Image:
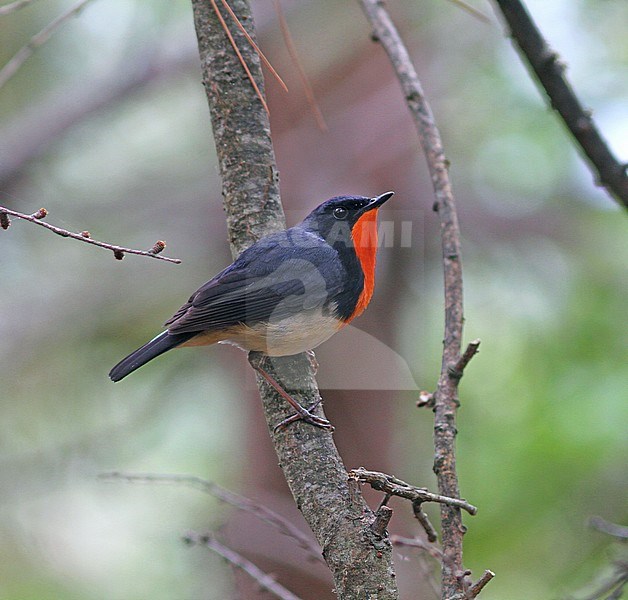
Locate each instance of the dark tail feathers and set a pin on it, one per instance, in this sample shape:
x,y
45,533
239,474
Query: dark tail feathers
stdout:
x,y
162,343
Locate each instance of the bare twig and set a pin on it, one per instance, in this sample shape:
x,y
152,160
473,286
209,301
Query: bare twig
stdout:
x,y
13,6
84,236
474,12
260,511
396,487
431,549
294,55
479,585
426,399
611,585
423,519
266,582
446,395
24,53
469,590
618,531
382,517
615,584
550,72
457,370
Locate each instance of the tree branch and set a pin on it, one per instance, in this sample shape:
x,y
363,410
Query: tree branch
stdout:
x,y
266,582
360,561
604,526
550,72
260,511
25,52
445,399
469,590
84,236
7,9
396,487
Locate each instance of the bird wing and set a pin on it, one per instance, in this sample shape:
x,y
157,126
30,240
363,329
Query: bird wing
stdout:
x,y
279,276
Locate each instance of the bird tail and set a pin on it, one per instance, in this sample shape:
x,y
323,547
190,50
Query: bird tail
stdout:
x,y
162,343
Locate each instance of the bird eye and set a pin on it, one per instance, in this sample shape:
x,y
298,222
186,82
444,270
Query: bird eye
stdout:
x,y
340,213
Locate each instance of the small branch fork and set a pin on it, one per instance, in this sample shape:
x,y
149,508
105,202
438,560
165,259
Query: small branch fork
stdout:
x,y
266,582
469,590
392,486
83,236
550,72
396,487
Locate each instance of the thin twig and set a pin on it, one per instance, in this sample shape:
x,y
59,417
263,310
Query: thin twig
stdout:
x,y
266,582
423,519
247,505
469,590
479,585
431,549
382,517
474,12
225,27
84,236
24,53
618,531
615,585
294,55
446,395
457,370
550,72
396,487
9,8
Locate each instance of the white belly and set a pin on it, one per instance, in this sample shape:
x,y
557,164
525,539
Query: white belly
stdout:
x,y
293,335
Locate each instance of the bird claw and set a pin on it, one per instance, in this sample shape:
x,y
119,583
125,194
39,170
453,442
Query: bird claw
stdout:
x,y
306,415
313,362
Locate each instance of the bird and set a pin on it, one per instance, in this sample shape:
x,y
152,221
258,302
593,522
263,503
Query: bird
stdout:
x,y
285,294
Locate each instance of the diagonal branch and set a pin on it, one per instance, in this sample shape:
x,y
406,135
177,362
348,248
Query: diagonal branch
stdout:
x,y
39,39
260,511
266,582
294,55
550,72
618,531
84,236
7,9
360,561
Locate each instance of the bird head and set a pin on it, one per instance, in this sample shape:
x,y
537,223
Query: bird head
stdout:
x,y
338,219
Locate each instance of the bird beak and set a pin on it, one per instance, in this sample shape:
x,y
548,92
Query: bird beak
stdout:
x,y
379,200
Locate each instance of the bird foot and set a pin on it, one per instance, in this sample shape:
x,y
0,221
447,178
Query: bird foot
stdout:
x,y
305,414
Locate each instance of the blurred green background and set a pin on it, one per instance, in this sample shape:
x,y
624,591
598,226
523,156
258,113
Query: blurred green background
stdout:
x,y
107,127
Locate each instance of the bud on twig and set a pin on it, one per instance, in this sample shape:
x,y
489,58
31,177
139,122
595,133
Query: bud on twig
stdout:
x,y
158,247
40,214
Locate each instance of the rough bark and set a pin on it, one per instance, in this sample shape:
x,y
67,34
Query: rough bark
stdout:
x,y
360,561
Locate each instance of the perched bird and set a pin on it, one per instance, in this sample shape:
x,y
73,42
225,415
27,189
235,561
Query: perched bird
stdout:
x,y
285,294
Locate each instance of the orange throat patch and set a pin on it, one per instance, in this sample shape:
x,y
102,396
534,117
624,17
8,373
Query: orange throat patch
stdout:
x,y
364,236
